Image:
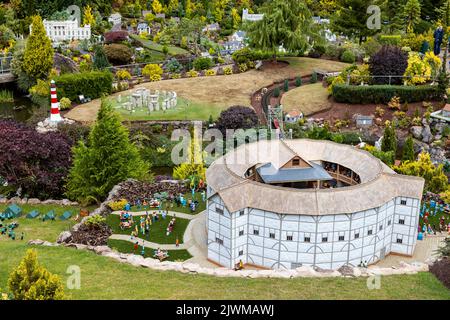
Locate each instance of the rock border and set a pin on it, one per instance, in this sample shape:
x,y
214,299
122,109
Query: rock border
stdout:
x,y
35,201
194,268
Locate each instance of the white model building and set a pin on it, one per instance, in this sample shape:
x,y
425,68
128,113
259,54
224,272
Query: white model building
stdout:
x,y
66,30
115,19
251,17
284,204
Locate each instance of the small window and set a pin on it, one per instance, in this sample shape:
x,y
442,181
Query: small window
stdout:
x,y
399,240
380,227
401,221
241,233
403,202
341,238
389,222
289,238
324,239
219,210
219,241
241,213
256,232
308,239
272,235
356,235
296,162
241,252
369,232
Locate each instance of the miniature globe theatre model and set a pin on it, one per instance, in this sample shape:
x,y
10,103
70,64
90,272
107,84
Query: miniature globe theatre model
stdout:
x,y
288,203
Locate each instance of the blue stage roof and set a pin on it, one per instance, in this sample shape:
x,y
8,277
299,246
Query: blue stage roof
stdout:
x,y
270,174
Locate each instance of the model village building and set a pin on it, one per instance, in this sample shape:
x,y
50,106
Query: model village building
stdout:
x,y
285,204
67,30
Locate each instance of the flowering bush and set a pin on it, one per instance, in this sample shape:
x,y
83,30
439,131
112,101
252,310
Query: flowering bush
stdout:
x,y
152,71
175,76
210,72
434,62
394,103
123,74
243,67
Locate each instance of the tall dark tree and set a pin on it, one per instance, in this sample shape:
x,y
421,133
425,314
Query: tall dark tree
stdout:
x,y
286,23
100,60
350,19
237,117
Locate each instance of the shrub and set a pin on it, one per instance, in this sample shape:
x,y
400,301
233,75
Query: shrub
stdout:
x,y
173,66
334,51
192,74
31,281
40,93
286,85
228,70
348,56
123,74
441,269
153,72
394,103
237,117
243,55
383,93
360,75
371,46
243,67
392,40
379,111
116,36
388,61
118,54
313,77
298,81
276,92
65,103
175,76
202,63
95,221
418,71
210,72
92,84
41,161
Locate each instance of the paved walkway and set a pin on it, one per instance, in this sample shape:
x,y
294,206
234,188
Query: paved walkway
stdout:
x,y
171,213
194,238
424,250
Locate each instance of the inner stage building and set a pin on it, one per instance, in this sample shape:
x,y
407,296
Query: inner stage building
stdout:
x,y
288,203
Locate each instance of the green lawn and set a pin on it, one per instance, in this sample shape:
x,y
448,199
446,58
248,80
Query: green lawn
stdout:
x,y
104,278
128,247
157,229
157,47
185,110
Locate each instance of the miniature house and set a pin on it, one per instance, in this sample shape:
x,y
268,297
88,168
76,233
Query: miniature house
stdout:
x,y
293,116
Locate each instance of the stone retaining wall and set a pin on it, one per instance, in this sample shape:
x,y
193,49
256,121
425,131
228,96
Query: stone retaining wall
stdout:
x,y
193,268
34,201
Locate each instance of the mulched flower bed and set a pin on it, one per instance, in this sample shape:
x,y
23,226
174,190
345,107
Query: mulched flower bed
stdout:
x,y
138,190
91,235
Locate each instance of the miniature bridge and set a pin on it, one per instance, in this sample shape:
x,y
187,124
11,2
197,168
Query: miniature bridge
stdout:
x,y
5,70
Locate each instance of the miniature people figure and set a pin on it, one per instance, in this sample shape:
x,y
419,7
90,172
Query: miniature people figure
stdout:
x,y
177,242
22,236
136,246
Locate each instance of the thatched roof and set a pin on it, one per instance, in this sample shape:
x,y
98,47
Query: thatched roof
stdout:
x,y
379,184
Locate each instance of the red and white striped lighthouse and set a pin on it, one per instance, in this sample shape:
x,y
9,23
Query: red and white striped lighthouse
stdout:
x,y
54,111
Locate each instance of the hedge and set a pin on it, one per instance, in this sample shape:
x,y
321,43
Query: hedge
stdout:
x,y
383,93
89,84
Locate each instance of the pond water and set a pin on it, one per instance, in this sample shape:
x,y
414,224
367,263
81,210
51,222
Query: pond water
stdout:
x,y
20,110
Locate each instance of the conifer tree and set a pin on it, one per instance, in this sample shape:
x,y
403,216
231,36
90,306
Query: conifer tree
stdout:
x,y
411,12
88,17
408,150
107,159
100,61
38,54
31,281
389,142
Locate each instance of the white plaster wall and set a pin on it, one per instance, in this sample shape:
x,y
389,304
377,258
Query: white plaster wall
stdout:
x,y
280,252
